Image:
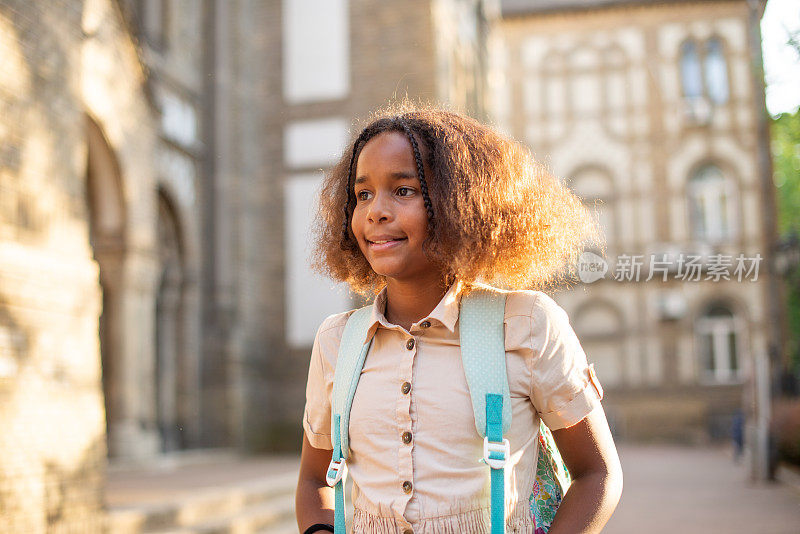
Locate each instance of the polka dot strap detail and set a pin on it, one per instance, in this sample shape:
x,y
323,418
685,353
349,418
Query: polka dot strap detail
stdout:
x,y
352,354
483,351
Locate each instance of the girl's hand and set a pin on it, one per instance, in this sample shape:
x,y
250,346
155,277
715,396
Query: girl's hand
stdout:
x,y
314,499
590,455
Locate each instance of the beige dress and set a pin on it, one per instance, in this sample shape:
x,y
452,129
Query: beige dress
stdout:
x,y
414,449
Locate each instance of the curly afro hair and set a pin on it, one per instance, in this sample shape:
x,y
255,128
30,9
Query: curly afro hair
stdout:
x,y
494,214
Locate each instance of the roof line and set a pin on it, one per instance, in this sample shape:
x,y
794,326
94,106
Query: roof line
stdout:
x,y
509,9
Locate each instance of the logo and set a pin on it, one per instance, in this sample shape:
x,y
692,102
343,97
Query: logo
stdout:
x,y
591,267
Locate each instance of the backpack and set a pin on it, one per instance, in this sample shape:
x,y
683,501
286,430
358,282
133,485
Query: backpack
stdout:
x,y
483,356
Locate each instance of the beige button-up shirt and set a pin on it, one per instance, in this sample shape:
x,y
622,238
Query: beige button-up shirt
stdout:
x,y
414,449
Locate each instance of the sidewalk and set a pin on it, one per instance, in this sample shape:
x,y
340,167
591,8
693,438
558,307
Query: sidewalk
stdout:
x,y
667,489
698,491
219,495
132,487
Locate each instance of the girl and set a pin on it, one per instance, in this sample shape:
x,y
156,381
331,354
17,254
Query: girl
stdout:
x,y
423,204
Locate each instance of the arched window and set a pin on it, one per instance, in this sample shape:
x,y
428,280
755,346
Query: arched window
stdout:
x,y
171,364
719,345
596,189
711,205
691,73
600,328
716,72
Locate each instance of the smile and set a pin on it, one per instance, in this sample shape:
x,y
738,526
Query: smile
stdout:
x,y
385,244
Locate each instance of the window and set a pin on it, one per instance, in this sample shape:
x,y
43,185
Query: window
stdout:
x,y
704,78
716,72
595,188
710,205
719,345
600,328
691,74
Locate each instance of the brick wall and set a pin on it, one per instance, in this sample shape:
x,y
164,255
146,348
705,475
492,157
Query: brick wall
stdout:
x,y
62,62
393,55
52,444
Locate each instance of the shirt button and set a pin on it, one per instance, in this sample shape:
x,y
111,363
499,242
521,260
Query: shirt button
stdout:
x,y
406,437
425,324
407,486
405,388
410,344
408,531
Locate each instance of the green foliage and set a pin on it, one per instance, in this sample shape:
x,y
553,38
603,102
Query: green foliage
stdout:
x,y
786,165
793,306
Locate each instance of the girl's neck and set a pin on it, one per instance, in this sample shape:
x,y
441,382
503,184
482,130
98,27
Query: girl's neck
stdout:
x,y
408,302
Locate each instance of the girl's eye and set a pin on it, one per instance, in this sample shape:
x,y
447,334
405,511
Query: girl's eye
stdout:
x,y
362,195
405,191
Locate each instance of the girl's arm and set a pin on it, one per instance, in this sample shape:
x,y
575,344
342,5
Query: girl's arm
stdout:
x,y
590,455
314,498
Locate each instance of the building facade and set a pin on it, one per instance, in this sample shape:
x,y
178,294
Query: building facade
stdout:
x,y
652,113
158,165
341,60
158,160
78,139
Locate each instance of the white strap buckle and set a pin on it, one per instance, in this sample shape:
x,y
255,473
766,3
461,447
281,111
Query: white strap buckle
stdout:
x,y
494,446
336,470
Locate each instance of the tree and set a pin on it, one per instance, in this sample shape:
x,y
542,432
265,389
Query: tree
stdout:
x,y
786,164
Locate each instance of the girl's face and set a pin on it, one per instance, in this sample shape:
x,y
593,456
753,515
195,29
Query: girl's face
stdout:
x,y
390,221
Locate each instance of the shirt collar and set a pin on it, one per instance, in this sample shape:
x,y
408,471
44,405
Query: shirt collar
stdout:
x,y
445,313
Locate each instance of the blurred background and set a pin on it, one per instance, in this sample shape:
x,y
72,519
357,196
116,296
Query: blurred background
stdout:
x,y
159,161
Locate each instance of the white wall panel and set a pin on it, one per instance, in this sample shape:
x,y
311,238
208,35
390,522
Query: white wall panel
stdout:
x,y
316,50
314,142
310,297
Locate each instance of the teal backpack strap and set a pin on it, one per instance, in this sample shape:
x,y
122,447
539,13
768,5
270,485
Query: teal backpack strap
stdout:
x,y
484,357
352,352
336,476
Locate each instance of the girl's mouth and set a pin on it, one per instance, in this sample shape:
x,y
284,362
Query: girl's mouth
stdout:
x,y
385,244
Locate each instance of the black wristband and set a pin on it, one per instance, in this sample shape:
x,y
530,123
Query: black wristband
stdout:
x,y
318,527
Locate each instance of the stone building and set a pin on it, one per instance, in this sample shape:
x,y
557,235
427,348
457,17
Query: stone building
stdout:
x,y
157,163
653,111
78,140
342,60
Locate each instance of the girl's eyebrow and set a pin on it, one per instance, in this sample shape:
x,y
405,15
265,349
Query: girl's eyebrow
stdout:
x,y
397,175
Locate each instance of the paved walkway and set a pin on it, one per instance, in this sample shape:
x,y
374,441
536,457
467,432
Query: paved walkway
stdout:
x,y
667,490
126,487
694,491
203,493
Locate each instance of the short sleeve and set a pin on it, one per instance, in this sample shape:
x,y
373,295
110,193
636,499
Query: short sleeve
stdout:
x,y
564,387
317,412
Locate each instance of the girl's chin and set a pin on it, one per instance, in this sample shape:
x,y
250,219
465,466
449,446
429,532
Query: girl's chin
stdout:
x,y
399,274
386,272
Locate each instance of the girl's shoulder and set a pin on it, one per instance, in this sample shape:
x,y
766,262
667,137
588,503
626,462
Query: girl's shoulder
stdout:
x,y
334,322
537,305
333,326
329,336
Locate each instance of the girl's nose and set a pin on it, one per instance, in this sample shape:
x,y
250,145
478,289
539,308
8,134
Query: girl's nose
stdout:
x,y
379,209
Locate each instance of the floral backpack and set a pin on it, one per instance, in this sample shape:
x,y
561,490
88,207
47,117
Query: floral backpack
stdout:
x,y
483,355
